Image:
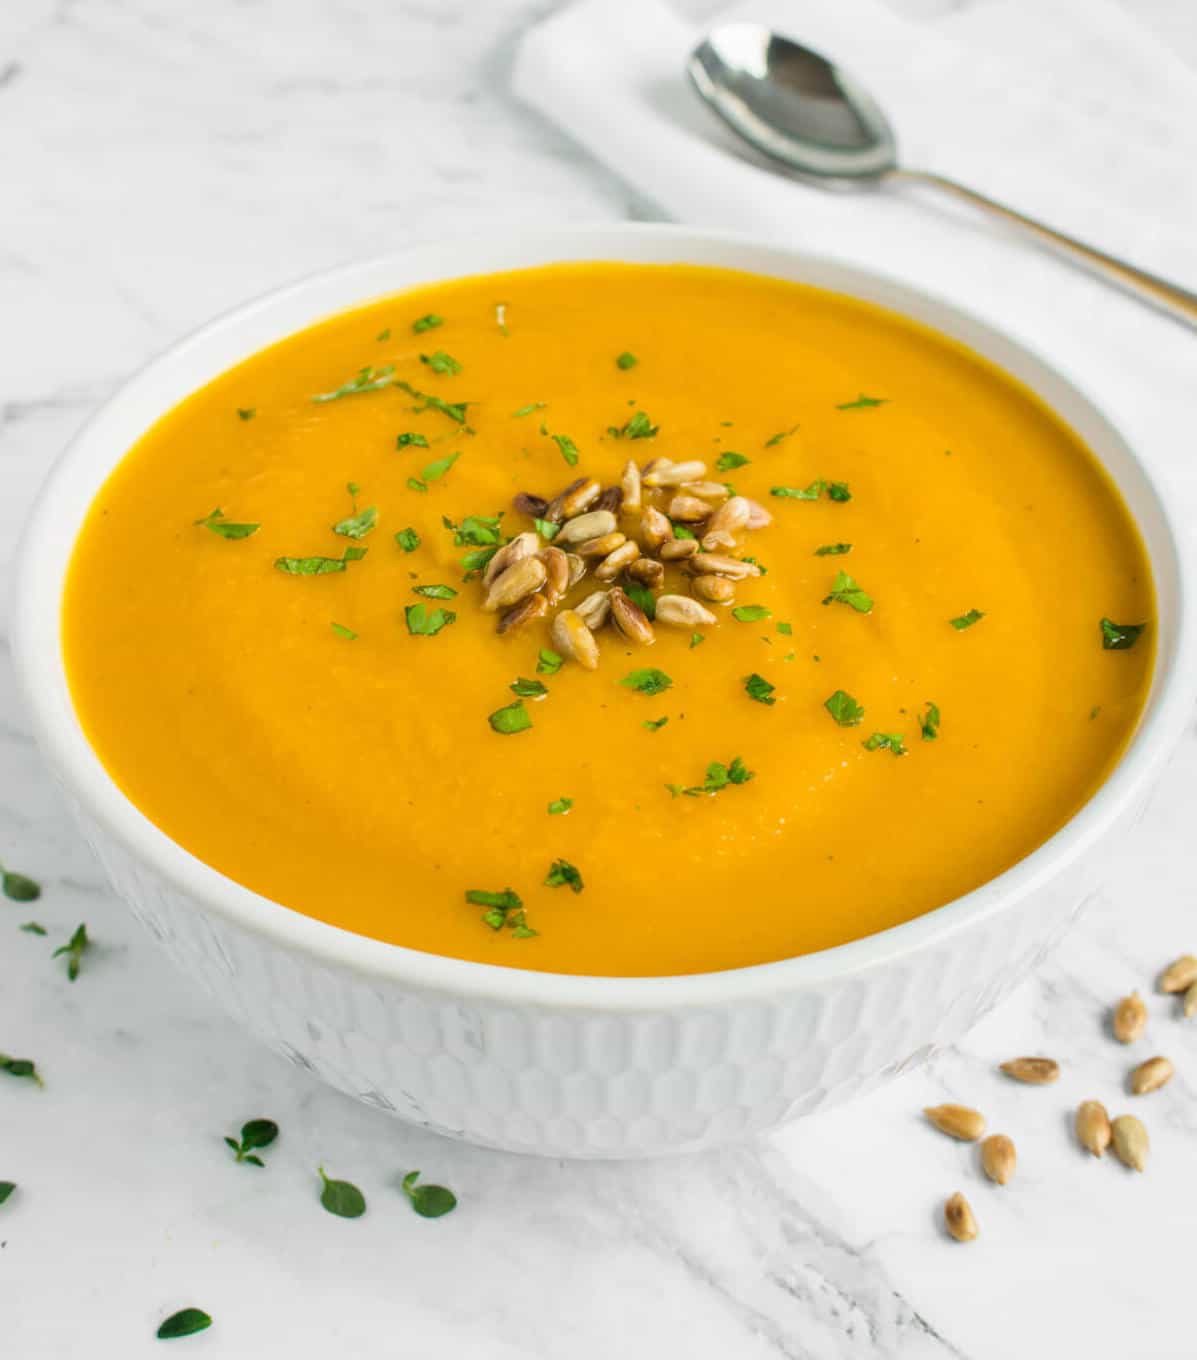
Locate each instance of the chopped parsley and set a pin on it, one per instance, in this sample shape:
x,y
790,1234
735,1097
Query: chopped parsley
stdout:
x,y
435,592
861,403
563,874
434,471
833,549
455,410
527,410
246,412
427,323
18,888
368,379
257,1133
341,1198
885,741
718,777
844,708
411,439
836,491
681,530
844,590
528,689
440,362
20,1067
751,613
425,622
502,909
786,629
383,335
74,950
32,928
560,806
758,688
1119,637
318,566
548,662
726,462
654,724
929,722
186,1322
357,525
6,1189
757,563
647,681
429,1201
626,360
408,540
697,639
779,436
342,632
546,528
510,719
569,450
963,621
225,528
642,597
637,426
478,531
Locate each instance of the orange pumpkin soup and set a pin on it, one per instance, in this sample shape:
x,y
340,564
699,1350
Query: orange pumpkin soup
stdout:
x,y
899,650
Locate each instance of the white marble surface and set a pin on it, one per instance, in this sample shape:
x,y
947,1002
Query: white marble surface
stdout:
x,y
160,162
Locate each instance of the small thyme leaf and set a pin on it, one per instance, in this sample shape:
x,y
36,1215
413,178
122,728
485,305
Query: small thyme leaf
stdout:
x,y
6,1189
257,1133
341,1198
74,950
186,1322
20,1067
18,888
33,928
429,1201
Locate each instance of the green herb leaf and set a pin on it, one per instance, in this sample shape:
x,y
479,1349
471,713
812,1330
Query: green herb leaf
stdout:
x,y
527,410
726,462
425,622
786,629
647,681
18,888
560,806
359,525
626,360
408,540
963,621
862,403
427,323
342,632
885,741
758,688
833,549
1117,637
478,531
474,561
383,335
548,662
186,1322
246,412
440,362
681,530
74,950
411,439
455,410
546,528
719,777
6,1189
510,719
844,590
782,434
429,1201
341,1198
414,484
367,380
33,928
844,708
929,722
798,493
318,566
838,491
655,724
501,901
637,426
225,528
257,1133
569,450
563,874
19,1067
528,689
642,597
696,639
435,470
435,592
751,613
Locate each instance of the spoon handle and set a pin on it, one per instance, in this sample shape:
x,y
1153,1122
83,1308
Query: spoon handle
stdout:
x,y
1168,297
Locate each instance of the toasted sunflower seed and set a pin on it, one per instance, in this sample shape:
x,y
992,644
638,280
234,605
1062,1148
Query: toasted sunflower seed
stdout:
x,y
647,570
556,566
667,474
1131,1143
655,528
611,499
688,509
1150,1076
1189,1005
594,610
714,539
555,509
528,504
580,498
572,638
730,516
601,546
678,549
577,568
714,589
1179,975
959,1219
1032,1071
629,484
534,607
1130,1018
998,1158
714,492
682,610
758,516
592,525
957,1121
629,618
522,545
714,564
1092,1127
510,586
611,565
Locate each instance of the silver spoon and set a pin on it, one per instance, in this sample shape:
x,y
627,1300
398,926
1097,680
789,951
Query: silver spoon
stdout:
x,y
800,109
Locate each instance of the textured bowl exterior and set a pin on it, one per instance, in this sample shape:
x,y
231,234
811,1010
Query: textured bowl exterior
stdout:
x,y
544,1063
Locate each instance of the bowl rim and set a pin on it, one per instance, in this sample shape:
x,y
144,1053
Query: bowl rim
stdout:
x,y
43,557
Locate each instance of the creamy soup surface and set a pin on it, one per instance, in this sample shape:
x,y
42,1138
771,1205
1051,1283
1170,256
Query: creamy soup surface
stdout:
x,y
916,691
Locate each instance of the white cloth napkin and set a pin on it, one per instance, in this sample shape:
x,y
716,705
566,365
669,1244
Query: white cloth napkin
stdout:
x,y
997,95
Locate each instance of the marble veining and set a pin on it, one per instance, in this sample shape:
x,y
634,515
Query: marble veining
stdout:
x,y
163,162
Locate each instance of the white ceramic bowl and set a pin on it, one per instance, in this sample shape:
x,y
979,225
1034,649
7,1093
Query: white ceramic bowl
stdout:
x,y
546,1063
